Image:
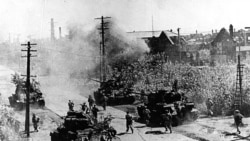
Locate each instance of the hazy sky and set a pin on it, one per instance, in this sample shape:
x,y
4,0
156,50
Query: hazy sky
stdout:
x,y
32,17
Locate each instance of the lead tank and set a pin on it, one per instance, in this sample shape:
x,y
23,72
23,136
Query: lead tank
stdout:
x,y
18,99
178,105
78,126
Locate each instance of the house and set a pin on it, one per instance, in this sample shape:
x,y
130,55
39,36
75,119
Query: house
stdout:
x,y
160,41
223,47
243,43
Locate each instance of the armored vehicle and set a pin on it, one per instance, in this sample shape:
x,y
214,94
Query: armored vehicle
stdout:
x,y
18,100
162,101
116,93
78,126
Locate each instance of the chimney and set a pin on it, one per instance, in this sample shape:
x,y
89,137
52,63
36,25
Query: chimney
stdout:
x,y
52,30
231,30
60,32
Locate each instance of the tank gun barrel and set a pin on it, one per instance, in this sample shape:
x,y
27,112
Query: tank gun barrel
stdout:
x,y
95,80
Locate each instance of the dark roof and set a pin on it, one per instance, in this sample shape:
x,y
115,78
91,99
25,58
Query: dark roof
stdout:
x,y
222,36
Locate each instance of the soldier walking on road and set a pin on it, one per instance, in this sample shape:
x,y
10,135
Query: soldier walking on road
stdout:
x,y
147,116
35,121
71,105
129,122
167,121
209,104
91,102
238,119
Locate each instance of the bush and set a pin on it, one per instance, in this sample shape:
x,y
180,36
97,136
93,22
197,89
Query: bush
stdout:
x,y
154,72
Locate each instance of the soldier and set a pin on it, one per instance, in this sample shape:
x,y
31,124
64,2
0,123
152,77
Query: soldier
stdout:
x,y
105,100
71,105
84,107
35,121
91,102
95,111
147,116
129,122
209,104
167,121
238,119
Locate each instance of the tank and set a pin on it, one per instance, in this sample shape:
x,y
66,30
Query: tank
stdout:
x,y
178,105
116,92
78,126
18,99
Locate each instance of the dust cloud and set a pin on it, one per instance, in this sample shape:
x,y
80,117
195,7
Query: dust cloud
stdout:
x,y
64,66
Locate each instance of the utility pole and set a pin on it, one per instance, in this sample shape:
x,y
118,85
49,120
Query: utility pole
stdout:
x,y
178,30
102,46
27,117
153,26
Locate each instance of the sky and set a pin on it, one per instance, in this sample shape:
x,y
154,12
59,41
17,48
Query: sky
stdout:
x,y
31,18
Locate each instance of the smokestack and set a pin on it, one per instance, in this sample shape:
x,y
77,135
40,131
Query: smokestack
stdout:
x,y
212,32
196,32
52,30
231,30
60,32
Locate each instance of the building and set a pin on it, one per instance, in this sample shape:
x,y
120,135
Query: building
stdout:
x,y
161,41
223,47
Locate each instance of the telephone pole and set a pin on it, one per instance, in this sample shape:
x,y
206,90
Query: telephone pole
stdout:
x,y
102,47
27,117
179,44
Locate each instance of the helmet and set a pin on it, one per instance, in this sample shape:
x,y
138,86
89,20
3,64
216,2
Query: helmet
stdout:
x,y
236,111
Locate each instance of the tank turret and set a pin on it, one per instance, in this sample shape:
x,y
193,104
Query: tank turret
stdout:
x,y
116,92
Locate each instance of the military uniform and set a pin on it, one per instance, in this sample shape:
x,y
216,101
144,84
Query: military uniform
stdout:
x,y
84,108
35,121
95,111
147,116
238,119
91,102
209,104
105,100
167,121
71,105
129,122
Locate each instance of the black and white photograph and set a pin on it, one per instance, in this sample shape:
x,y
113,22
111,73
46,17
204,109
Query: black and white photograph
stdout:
x,y
124,70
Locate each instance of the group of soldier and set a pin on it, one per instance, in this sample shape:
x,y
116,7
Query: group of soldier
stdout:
x,y
86,109
237,115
